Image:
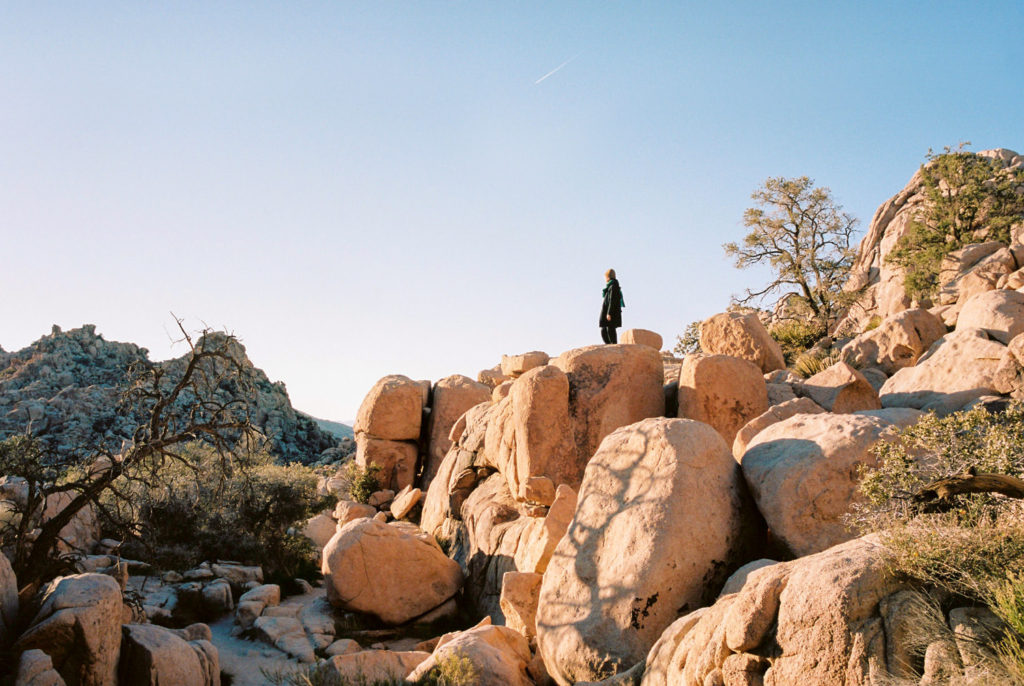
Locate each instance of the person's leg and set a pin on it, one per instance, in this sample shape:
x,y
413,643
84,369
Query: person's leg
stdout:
x,y
613,335
604,334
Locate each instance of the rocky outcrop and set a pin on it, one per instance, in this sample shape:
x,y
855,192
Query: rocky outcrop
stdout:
x,y
658,519
388,429
78,625
815,620
958,368
880,284
419,576
741,335
897,342
803,473
723,391
66,388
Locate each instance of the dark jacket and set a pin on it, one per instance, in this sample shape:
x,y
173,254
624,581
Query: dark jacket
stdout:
x,y
612,305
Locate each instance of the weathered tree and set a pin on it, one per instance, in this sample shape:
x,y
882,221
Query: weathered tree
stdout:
x,y
200,399
804,236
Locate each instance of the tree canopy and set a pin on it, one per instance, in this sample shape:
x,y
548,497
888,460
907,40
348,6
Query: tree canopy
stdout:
x,y
804,236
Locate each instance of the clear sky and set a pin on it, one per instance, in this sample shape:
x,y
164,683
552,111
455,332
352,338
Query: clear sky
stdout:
x,y
364,188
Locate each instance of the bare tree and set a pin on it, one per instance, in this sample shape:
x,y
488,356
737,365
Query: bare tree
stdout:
x,y
804,237
200,397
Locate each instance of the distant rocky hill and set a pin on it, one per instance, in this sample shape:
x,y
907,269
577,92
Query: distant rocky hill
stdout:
x,y
65,389
335,428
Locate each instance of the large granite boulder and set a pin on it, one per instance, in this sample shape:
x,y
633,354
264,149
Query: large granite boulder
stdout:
x,y
35,668
393,409
611,386
499,655
774,415
79,626
418,578
722,391
840,389
897,342
396,460
659,515
1000,314
152,655
452,396
803,473
741,335
370,666
958,368
819,617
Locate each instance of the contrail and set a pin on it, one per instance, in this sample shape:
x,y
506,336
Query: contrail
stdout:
x,y
563,64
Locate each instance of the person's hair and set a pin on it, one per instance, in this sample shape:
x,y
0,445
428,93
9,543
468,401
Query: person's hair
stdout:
x,y
610,274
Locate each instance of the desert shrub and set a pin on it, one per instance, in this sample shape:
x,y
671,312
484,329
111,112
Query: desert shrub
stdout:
x,y
357,483
209,506
689,342
311,676
811,363
873,323
965,543
968,198
1008,604
454,669
796,336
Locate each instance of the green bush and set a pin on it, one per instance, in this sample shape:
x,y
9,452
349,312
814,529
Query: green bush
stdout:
x,y
454,669
359,484
209,506
689,342
796,336
969,198
1008,604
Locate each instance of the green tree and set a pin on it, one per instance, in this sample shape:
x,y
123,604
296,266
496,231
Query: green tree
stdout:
x,y
968,198
689,342
803,235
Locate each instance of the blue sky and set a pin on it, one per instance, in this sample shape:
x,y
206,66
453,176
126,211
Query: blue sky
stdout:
x,y
363,188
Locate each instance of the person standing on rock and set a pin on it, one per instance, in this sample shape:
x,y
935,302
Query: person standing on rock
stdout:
x,y
611,308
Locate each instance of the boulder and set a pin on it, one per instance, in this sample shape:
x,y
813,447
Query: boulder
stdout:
x,y
840,389
452,396
82,532
658,520
405,501
8,601
611,386
973,269
897,342
252,603
722,391
35,668
152,655
958,367
320,528
343,646
520,592
492,378
369,667
514,366
420,577
217,598
641,337
1000,314
1009,375
499,655
396,459
817,615
79,626
775,414
285,633
541,442
803,473
393,409
741,335
347,510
